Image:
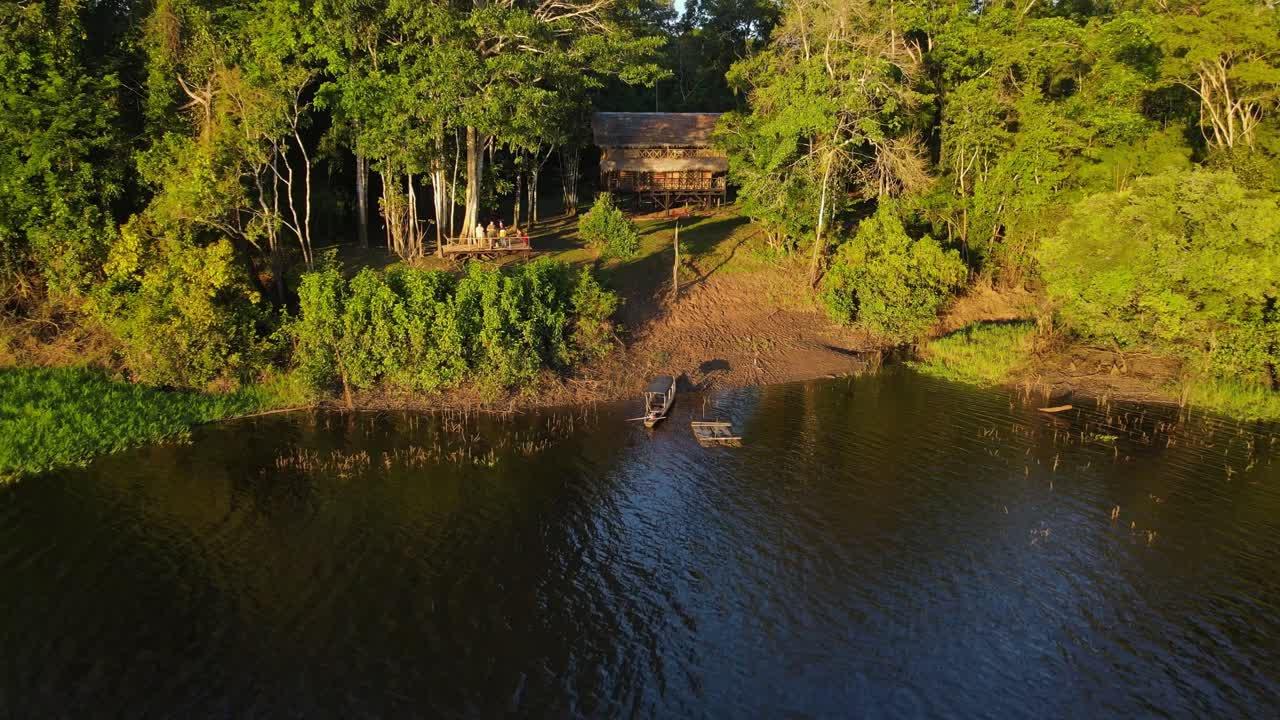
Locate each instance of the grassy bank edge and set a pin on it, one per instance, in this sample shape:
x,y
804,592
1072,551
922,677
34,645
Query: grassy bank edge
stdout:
x,y
58,417
984,353
1232,398
992,354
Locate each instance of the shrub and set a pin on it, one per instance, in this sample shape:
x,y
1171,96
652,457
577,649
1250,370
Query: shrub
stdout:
x,y
184,314
434,353
424,330
593,309
1186,262
888,282
317,331
606,228
396,327
517,325
373,344
978,354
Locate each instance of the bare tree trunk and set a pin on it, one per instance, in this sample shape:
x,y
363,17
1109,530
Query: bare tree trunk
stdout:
x,y
675,266
475,175
815,266
362,200
277,253
453,184
299,227
414,236
574,176
388,202
272,227
569,178
346,391
440,194
533,193
515,211
306,210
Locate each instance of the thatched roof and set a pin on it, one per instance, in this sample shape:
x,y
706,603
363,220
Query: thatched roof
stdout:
x,y
685,130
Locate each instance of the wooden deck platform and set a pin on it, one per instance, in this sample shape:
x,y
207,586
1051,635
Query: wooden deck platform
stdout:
x,y
714,432
485,250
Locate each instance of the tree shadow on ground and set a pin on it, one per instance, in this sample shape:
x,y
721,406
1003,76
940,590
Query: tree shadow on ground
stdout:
x,y
559,234
645,281
704,238
352,258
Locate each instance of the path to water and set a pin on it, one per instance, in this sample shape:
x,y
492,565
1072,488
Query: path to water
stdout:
x,y
882,546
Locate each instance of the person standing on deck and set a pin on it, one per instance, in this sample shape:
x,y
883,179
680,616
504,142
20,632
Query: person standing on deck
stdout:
x,y
479,234
490,233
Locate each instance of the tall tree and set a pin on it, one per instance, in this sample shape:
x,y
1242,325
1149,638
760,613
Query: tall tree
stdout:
x,y
707,40
1227,52
523,56
62,152
395,77
834,108
230,95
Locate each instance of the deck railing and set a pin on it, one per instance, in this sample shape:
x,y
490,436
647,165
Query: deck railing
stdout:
x,y
458,245
673,181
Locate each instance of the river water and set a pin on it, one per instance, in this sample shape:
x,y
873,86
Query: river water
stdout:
x,y
889,545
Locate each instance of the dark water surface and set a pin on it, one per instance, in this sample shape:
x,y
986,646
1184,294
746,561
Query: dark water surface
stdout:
x,y
882,546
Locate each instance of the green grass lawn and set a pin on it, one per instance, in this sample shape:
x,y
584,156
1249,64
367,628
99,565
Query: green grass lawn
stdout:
x,y
53,417
979,354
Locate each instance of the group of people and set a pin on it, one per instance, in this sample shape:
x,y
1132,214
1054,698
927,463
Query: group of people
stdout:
x,y
498,235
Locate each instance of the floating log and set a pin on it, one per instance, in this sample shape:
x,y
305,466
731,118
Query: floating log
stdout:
x,y
277,411
1055,409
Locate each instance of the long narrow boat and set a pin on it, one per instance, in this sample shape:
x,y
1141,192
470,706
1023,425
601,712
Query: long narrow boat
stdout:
x,y
658,397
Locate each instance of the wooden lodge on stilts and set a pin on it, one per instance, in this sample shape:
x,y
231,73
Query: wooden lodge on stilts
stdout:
x,y
661,160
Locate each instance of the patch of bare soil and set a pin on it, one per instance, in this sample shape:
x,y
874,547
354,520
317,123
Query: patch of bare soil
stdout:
x,y
982,303
1074,370
725,330
741,329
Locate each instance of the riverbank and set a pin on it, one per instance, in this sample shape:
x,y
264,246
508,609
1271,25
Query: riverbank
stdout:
x,y
1010,354
740,318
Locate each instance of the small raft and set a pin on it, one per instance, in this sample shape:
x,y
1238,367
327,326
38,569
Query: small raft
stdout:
x,y
714,432
658,397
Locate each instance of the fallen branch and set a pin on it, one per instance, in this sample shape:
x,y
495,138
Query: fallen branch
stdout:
x,y
273,412
1055,409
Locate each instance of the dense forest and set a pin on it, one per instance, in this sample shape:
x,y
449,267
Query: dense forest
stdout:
x,y
168,170
1120,157
170,167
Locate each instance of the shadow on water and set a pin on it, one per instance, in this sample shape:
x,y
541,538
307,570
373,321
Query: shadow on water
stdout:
x,y
886,544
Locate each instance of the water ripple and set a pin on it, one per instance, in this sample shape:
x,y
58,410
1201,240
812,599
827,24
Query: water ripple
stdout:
x,y
881,546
